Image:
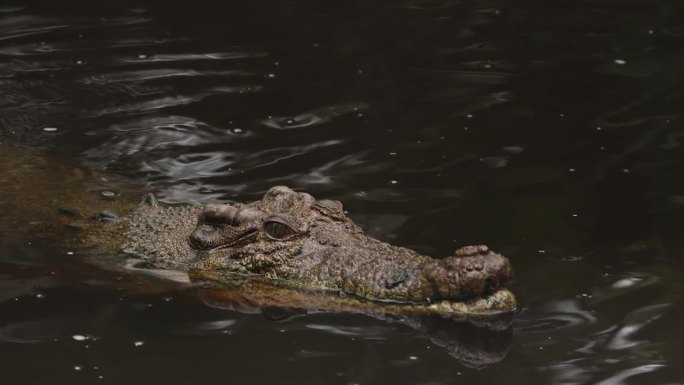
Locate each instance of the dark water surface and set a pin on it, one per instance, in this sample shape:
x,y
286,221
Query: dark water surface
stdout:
x,y
549,130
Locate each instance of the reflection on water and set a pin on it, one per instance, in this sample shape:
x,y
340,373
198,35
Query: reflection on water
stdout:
x,y
549,131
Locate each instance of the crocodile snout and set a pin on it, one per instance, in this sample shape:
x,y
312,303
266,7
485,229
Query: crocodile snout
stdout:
x,y
473,271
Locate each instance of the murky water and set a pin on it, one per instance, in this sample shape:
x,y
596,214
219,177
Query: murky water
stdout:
x,y
551,131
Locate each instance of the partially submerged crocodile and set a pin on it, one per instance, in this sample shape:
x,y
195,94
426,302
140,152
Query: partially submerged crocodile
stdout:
x,y
294,240
287,254
288,239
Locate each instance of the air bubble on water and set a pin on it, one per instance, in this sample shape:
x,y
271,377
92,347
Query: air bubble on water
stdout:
x,y
138,343
620,62
79,62
50,129
78,368
541,251
572,170
237,130
79,337
108,195
413,358
598,128
40,296
626,283
271,76
625,170
393,182
142,56
469,116
513,149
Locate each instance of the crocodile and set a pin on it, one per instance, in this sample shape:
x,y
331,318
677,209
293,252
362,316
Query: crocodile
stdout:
x,y
294,240
288,239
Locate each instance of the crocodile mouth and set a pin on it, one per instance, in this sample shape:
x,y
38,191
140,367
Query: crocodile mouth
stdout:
x,y
246,237
282,294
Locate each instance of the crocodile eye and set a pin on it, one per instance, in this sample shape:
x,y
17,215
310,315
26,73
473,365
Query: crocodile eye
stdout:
x,y
278,230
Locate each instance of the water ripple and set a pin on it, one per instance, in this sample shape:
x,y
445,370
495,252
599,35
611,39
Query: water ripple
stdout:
x,y
622,376
15,27
222,326
560,314
10,9
636,320
339,330
157,74
314,117
200,56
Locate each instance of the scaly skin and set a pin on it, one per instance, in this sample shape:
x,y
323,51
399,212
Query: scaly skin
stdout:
x,y
262,294
299,242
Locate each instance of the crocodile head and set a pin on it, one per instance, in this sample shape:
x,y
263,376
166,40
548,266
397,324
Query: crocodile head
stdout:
x,y
292,237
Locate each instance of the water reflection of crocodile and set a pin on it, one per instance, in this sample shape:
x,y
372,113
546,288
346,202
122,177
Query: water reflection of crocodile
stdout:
x,y
309,251
482,340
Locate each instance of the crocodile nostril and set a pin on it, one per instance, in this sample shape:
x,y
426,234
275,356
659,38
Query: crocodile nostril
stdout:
x,y
490,285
